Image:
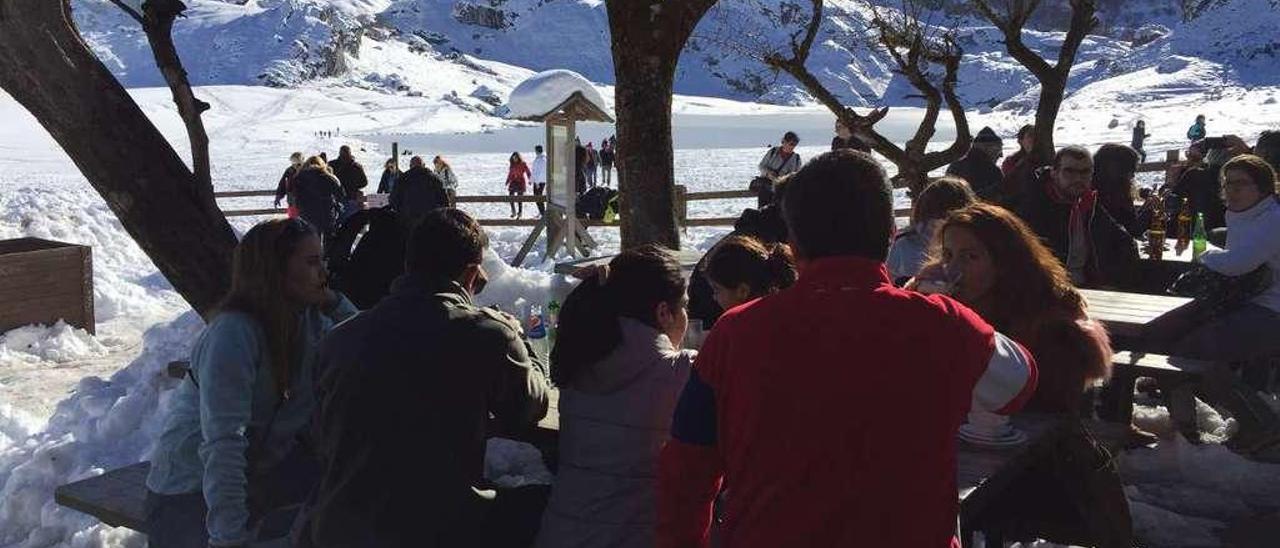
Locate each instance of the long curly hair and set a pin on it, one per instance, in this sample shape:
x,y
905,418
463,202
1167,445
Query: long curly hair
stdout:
x,y
1029,278
1035,303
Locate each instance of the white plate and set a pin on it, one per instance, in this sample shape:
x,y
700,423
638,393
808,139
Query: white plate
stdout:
x,y
1011,437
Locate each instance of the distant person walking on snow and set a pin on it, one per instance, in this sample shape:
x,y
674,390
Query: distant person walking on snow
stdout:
x,y
1139,138
593,162
1197,130
580,167
228,454
606,161
284,189
777,162
351,174
390,172
318,195
539,176
517,183
445,172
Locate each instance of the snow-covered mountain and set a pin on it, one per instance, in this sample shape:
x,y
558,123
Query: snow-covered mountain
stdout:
x,y
472,52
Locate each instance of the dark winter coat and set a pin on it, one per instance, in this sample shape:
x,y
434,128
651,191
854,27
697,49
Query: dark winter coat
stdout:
x,y
1139,138
406,391
351,174
285,186
319,197
606,157
1200,184
365,274
416,193
580,168
1113,253
388,181
981,173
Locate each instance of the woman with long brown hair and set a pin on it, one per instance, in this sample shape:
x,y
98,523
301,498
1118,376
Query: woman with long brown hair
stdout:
x,y
229,453
989,259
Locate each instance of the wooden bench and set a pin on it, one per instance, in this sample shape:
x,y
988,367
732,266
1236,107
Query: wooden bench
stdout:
x,y
117,498
1167,370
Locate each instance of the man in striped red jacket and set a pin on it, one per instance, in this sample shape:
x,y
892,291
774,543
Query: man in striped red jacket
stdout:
x,y
829,410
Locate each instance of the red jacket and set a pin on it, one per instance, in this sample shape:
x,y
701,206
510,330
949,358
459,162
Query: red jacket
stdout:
x,y
517,177
830,411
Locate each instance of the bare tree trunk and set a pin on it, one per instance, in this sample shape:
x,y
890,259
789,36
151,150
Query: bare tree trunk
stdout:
x,y
47,67
1053,78
647,38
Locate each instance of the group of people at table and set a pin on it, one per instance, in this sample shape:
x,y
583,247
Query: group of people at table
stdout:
x,y
822,409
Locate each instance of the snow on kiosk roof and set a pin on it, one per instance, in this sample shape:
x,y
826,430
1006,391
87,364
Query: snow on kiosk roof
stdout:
x,y
558,91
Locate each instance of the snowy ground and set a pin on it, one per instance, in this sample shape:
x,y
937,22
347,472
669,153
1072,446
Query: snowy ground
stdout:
x,y
72,405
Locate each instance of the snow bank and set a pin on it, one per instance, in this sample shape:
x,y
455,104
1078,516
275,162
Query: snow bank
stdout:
x,y
59,343
544,91
102,425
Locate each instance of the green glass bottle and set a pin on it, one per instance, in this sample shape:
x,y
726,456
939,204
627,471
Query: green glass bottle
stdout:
x,y
553,321
1199,240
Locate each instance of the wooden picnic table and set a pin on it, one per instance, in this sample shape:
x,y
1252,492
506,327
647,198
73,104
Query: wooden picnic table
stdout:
x,y
1130,315
688,260
1156,275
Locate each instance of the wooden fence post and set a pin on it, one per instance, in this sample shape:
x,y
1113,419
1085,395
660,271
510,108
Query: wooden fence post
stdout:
x,y
1171,167
682,205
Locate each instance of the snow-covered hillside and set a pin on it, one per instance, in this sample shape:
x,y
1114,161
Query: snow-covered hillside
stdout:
x,y
466,49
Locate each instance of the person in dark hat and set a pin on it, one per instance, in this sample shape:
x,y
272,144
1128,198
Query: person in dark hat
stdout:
x,y
979,168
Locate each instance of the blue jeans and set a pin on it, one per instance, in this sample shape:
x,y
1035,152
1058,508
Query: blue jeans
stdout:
x,y
1245,336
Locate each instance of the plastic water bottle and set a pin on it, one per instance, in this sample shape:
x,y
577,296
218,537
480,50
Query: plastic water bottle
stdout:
x,y
1199,240
537,332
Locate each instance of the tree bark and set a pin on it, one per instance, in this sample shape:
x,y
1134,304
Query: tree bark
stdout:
x,y
46,67
647,38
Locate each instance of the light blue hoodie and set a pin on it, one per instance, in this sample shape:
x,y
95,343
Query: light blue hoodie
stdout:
x,y
202,447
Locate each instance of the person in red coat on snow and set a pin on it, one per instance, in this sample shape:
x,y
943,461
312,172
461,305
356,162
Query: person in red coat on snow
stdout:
x,y
517,183
830,409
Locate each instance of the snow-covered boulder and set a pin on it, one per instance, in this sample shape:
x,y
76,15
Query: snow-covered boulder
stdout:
x,y
546,90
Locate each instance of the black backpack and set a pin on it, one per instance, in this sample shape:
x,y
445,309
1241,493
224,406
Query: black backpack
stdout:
x,y
592,203
364,274
1218,292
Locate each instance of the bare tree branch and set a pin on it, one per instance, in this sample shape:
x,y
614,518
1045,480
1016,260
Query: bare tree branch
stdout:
x,y
157,20
130,11
1011,25
1083,21
1053,79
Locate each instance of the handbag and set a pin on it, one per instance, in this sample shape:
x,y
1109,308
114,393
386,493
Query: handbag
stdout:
x,y
1219,292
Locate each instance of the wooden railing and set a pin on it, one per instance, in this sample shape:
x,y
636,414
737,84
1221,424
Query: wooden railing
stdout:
x,y
682,199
